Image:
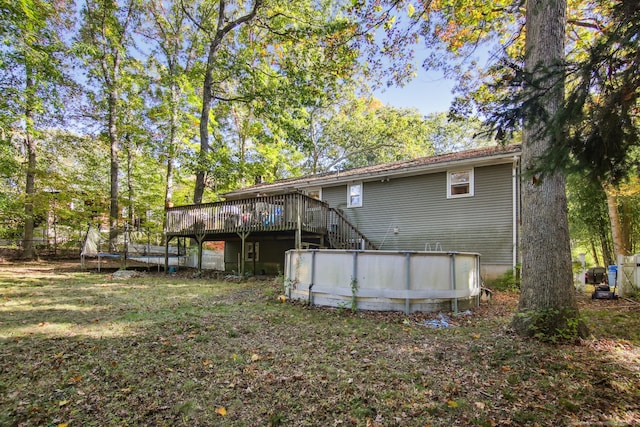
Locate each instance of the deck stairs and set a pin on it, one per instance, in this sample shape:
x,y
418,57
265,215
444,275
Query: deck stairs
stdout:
x,y
342,234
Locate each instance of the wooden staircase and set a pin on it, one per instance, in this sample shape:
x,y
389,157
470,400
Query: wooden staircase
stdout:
x,y
342,234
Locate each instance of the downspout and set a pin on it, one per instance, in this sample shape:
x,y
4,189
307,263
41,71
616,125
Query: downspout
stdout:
x,y
514,225
478,279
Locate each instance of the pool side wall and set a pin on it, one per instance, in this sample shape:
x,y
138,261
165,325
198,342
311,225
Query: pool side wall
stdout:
x,y
384,280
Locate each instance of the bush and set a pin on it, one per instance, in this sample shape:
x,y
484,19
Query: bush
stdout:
x,y
509,281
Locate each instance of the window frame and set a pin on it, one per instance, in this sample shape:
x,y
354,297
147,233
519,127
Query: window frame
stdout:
x,y
450,184
312,191
252,251
350,203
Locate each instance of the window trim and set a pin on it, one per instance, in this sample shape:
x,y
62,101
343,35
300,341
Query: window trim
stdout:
x,y
471,192
252,251
309,191
349,201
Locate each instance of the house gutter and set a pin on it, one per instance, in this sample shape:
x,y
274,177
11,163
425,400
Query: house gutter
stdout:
x,y
340,177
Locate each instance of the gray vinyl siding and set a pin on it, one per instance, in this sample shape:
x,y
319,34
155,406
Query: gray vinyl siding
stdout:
x,y
425,219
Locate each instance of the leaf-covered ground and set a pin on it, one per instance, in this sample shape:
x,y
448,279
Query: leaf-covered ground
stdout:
x,y
86,349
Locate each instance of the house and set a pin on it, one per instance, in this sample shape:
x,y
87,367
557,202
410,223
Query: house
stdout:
x,y
458,202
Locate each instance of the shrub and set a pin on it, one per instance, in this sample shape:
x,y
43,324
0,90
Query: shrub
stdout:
x,y
509,281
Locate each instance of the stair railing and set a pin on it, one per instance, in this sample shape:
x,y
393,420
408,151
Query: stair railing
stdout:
x,y
344,235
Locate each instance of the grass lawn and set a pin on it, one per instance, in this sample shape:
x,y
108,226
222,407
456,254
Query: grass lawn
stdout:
x,y
85,349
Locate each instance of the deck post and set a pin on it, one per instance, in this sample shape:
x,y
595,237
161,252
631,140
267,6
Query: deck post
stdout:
x,y
243,236
298,222
200,240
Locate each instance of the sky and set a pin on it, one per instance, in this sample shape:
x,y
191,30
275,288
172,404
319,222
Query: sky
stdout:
x,y
429,92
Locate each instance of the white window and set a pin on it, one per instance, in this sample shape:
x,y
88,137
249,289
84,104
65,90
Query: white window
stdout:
x,y
354,195
315,193
460,183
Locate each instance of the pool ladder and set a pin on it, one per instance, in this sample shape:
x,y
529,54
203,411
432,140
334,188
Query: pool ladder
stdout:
x,y
427,247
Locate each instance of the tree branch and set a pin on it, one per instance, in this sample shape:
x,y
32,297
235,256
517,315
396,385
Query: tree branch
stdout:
x,y
584,24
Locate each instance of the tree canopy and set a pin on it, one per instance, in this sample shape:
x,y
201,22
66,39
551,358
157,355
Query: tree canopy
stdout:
x,y
127,83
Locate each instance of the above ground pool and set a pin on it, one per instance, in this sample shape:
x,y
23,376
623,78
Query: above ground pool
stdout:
x,y
384,280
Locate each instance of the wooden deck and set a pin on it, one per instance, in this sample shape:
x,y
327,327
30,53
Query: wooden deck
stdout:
x,y
283,214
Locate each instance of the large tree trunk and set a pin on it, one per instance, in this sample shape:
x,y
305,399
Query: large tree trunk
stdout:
x,y
223,28
619,233
207,97
594,252
172,144
547,307
28,248
608,255
131,213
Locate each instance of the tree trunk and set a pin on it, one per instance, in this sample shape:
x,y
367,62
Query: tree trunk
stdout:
x,y
594,252
627,227
223,28
131,214
207,97
609,256
547,307
28,247
620,240
171,149
115,149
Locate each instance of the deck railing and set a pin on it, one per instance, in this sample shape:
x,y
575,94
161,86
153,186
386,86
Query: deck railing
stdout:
x,y
267,213
344,235
286,212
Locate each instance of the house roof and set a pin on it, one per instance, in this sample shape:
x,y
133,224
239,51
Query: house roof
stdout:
x,y
432,164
